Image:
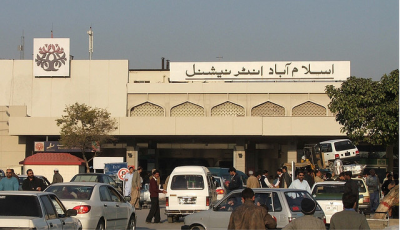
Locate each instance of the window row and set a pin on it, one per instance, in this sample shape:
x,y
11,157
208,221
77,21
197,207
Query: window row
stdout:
x,y
188,109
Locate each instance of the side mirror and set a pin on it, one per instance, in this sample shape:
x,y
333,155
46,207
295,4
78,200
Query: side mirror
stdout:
x,y
72,212
127,198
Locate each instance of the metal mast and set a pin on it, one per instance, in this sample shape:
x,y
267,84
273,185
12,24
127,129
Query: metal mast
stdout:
x,y
90,33
21,47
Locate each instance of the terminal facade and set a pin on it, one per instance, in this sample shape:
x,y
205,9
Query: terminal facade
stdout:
x,y
250,115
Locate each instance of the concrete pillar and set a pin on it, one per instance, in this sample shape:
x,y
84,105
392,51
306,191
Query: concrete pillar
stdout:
x,y
132,156
292,152
239,158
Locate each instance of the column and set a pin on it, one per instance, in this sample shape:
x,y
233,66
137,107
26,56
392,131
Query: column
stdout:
x,y
239,158
132,156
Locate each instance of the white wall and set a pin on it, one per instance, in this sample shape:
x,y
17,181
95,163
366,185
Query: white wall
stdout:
x,y
66,171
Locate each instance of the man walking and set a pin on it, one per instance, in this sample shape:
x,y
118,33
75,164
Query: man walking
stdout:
x,y
57,178
301,183
265,182
349,218
9,183
308,221
250,216
128,182
135,191
236,182
155,204
373,188
252,181
32,183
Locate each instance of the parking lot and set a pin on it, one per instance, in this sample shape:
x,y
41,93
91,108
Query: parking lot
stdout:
x,y
141,220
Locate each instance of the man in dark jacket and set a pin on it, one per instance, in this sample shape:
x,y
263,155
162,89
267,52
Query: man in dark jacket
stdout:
x,y
32,183
286,177
249,215
155,204
236,182
351,186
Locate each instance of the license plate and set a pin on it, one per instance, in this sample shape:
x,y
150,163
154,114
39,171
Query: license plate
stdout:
x,y
331,208
347,154
187,200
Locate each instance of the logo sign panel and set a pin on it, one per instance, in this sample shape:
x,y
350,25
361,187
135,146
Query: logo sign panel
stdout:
x,y
51,57
260,71
57,147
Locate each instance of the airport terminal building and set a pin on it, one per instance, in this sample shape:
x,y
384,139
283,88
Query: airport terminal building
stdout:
x,y
252,115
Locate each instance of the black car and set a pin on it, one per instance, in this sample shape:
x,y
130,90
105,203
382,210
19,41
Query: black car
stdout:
x,y
97,177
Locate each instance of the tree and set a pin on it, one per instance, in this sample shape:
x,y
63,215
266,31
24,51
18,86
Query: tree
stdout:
x,y
368,110
83,126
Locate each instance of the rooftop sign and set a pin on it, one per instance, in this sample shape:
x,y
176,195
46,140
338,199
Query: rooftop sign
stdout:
x,y
260,71
51,57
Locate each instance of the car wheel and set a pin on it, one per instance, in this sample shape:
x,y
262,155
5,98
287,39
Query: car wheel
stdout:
x,y
170,219
197,227
132,223
101,225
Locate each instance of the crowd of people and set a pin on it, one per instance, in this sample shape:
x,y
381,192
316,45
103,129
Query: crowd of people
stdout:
x,y
31,183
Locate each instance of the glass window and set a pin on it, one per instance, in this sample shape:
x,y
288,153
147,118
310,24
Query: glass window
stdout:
x,y
187,182
11,205
276,203
104,194
115,196
294,199
74,192
361,186
57,204
217,182
344,145
326,148
230,203
83,178
328,191
48,205
264,199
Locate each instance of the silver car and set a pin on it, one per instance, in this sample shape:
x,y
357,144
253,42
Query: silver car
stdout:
x,y
35,210
282,204
99,205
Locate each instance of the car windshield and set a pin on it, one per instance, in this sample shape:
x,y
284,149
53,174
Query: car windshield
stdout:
x,y
12,205
85,178
294,199
328,191
184,182
344,145
71,192
217,182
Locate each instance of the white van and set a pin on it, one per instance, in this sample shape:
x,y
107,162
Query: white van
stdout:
x,y
338,149
190,189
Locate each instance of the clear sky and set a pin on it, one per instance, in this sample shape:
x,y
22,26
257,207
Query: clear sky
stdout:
x,y
365,32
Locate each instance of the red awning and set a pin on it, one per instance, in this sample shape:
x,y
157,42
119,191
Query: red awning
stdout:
x,y
52,159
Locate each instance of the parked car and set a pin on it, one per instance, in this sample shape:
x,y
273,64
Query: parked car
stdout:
x,y
96,177
145,196
35,210
342,149
329,196
21,179
99,205
283,204
190,189
220,187
364,201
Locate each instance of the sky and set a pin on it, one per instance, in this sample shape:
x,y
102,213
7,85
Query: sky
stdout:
x,y
364,32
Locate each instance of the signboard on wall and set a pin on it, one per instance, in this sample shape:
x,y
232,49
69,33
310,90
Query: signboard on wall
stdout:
x,y
51,57
260,71
57,147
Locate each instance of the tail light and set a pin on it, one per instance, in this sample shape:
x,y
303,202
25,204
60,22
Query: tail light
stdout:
x,y
291,219
208,201
336,156
167,201
357,152
366,199
324,219
82,209
275,219
220,191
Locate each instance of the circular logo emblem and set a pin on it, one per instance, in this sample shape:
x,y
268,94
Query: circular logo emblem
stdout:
x,y
122,172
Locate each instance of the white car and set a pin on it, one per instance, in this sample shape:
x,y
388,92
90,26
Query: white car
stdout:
x,y
328,194
284,205
99,205
35,210
220,187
